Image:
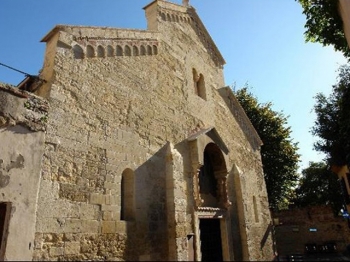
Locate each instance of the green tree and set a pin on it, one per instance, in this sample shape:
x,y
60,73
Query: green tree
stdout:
x,y
324,24
332,123
318,186
279,153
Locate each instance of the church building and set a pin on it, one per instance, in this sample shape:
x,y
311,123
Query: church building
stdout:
x,y
129,146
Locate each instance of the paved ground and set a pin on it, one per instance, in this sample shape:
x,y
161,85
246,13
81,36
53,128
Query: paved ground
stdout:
x,y
316,257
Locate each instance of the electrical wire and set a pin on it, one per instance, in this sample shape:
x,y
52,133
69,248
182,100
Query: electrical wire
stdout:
x,y
14,69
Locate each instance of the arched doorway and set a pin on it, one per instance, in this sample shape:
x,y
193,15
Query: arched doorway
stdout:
x,y
213,193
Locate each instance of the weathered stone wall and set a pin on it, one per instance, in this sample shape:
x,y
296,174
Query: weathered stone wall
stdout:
x,y
22,122
114,111
293,229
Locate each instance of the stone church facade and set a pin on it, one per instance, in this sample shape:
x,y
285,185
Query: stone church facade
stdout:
x,y
128,146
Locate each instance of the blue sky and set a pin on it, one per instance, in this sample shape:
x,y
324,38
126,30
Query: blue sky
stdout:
x,y
262,43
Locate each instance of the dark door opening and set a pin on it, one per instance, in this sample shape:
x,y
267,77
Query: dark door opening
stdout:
x,y
4,217
210,236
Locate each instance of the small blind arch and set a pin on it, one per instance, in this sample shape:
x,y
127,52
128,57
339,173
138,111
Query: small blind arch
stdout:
x,y
100,51
78,52
90,52
149,50
119,50
127,50
110,51
142,50
127,195
135,50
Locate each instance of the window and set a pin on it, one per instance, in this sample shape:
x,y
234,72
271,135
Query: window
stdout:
x,y
199,84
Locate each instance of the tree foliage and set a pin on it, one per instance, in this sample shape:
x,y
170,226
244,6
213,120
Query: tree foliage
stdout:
x,y
324,24
332,123
318,186
279,153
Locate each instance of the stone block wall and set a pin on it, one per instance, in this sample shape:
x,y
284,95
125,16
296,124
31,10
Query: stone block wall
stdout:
x,y
126,100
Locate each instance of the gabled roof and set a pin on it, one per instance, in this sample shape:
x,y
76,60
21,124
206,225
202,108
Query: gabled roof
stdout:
x,y
213,134
202,32
212,46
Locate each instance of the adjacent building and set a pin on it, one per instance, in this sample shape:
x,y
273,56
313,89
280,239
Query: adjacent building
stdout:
x,y
129,146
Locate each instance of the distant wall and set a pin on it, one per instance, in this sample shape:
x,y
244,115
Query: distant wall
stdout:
x,y
292,230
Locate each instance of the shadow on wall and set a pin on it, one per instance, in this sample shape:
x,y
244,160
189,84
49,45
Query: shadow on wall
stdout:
x,y
147,230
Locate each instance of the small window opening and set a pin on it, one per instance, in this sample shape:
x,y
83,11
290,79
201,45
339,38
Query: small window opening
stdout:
x,y
199,85
256,214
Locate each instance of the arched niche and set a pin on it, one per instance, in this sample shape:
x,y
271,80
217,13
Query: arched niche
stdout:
x,y
100,51
209,169
127,195
78,52
110,51
90,52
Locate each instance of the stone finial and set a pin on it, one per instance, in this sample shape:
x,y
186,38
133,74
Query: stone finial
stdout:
x,y
185,2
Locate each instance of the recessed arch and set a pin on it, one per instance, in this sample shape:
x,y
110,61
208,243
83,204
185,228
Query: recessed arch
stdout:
x,y
142,50
110,51
100,51
119,50
155,50
78,52
163,16
127,195
135,50
127,50
149,50
90,52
